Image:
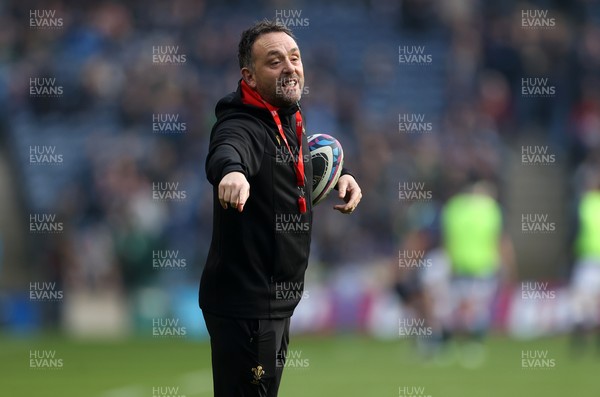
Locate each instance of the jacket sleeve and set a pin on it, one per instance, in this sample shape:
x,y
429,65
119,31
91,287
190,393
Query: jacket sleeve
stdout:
x,y
235,145
344,171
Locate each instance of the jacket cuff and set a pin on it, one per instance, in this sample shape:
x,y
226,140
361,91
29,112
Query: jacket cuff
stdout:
x,y
233,168
345,171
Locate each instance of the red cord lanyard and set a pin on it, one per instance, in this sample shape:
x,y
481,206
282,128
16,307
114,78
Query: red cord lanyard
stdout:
x,y
298,161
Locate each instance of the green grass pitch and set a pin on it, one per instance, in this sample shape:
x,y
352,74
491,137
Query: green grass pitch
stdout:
x,y
341,366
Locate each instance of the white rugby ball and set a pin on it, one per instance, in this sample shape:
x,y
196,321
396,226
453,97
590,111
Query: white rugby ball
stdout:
x,y
327,158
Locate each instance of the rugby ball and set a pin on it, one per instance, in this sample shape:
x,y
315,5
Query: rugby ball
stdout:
x,y
327,158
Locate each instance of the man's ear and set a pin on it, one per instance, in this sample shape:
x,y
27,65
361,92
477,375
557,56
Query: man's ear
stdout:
x,y
248,77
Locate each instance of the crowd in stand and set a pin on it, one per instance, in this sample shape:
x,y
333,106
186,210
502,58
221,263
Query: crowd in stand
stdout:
x,y
103,56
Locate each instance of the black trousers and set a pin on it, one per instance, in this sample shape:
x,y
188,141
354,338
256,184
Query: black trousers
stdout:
x,y
248,355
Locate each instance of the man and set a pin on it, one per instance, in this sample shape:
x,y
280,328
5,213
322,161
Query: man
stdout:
x,y
585,281
481,255
252,259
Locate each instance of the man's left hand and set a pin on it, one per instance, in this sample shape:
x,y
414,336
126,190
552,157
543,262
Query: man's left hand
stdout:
x,y
349,191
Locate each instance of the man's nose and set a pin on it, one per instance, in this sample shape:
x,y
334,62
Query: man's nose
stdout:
x,y
288,66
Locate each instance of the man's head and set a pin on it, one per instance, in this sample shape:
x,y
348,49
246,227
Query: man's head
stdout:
x,y
270,63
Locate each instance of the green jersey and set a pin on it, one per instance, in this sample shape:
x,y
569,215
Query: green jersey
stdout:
x,y
472,229
587,244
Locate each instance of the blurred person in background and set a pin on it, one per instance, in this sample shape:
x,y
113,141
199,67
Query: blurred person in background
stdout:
x,y
480,255
585,282
416,284
251,261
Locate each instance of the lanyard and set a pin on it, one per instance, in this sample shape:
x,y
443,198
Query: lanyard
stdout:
x,y
299,160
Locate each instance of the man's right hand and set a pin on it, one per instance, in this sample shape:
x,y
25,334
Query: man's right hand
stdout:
x,y
234,190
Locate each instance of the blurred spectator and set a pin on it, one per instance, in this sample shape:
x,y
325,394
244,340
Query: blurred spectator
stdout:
x,y
480,256
585,283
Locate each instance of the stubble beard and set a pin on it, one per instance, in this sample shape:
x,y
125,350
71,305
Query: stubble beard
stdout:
x,y
288,90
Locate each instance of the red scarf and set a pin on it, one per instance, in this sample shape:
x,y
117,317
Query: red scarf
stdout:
x,y
252,97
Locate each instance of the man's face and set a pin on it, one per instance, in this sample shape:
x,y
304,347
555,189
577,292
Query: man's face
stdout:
x,y
276,71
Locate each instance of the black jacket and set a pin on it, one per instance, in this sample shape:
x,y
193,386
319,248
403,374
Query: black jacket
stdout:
x,y
257,258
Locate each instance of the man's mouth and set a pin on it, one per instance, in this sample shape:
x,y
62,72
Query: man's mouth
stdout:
x,y
289,82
